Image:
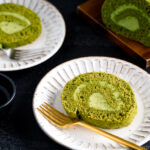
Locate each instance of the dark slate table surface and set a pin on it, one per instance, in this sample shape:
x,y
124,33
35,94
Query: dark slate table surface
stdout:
x,y
18,129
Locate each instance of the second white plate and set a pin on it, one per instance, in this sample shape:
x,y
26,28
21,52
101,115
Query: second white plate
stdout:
x,y
50,87
52,36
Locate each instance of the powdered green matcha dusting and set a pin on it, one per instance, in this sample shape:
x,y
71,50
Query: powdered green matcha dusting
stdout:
x,y
18,25
130,18
100,99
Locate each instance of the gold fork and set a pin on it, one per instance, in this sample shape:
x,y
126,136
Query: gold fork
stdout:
x,y
63,121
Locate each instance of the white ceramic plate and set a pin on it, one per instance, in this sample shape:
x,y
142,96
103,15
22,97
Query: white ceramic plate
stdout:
x,y
52,36
50,87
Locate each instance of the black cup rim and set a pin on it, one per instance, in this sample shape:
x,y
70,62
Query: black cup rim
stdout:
x,y
14,90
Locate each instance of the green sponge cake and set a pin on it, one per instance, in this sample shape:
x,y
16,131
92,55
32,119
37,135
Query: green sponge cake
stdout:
x,y
18,25
130,18
100,99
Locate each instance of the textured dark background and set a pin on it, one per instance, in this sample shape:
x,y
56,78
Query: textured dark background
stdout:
x,y
18,129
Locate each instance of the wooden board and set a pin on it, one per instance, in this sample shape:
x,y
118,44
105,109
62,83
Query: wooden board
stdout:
x,y
91,11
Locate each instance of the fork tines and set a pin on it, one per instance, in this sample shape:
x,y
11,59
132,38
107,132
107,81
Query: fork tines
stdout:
x,y
53,115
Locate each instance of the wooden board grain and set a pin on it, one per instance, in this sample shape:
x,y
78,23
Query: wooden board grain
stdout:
x,y
91,12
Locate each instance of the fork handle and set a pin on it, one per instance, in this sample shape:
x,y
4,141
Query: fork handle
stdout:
x,y
111,136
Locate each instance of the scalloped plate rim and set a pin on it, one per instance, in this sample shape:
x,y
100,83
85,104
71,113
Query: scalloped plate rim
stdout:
x,y
80,58
48,56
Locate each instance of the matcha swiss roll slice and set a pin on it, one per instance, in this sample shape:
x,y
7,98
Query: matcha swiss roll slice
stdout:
x,y
129,18
100,99
18,25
